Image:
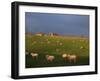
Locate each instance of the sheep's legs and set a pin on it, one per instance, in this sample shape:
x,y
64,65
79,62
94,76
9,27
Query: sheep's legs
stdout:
x,y
70,61
74,60
34,57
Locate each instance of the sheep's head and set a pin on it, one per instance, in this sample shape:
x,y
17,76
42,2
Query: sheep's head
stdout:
x,y
64,55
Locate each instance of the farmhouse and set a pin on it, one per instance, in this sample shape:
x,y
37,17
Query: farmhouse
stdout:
x,y
40,34
53,34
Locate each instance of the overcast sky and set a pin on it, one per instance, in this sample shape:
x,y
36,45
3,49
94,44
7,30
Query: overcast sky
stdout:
x,y
64,24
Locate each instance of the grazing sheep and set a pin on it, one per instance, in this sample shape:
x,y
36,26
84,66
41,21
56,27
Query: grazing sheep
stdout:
x,y
50,58
34,55
72,58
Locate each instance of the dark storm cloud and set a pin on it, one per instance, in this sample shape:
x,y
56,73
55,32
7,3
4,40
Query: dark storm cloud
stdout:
x,y
66,24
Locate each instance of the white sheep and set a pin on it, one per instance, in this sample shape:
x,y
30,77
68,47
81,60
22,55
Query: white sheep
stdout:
x,y
50,58
72,58
34,55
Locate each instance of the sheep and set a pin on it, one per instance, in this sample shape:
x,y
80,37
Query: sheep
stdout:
x,y
34,55
50,58
68,57
72,58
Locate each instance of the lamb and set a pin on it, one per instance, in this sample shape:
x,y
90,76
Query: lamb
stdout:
x,y
34,55
50,58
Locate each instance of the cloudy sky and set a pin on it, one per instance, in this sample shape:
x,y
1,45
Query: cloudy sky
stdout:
x,y
64,24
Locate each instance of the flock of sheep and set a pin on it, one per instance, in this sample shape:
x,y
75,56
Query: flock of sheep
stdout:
x,y
50,58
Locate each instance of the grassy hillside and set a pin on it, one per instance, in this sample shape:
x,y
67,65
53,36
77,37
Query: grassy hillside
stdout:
x,y
56,46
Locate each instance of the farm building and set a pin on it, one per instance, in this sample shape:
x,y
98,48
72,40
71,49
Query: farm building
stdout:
x,y
54,34
40,34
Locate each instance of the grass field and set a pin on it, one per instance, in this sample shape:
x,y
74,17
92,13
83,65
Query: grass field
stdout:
x,y
56,46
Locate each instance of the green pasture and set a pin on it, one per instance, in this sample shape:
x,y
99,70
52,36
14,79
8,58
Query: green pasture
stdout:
x,y
56,46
